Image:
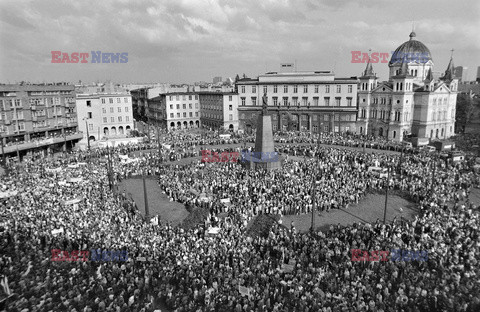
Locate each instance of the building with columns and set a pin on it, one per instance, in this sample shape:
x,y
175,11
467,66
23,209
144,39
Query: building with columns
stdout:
x,y
411,102
300,101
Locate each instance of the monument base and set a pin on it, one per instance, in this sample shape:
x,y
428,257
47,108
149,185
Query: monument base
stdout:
x,y
259,164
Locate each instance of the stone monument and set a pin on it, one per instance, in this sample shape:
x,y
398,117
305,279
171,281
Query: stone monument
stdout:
x,y
264,155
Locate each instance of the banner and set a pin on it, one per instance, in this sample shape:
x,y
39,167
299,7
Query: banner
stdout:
x,y
8,194
57,231
74,180
213,231
73,201
225,200
244,291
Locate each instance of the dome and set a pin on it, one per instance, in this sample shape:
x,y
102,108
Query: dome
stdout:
x,y
411,51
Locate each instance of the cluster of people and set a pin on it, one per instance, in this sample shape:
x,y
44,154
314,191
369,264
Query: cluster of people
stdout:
x,y
67,204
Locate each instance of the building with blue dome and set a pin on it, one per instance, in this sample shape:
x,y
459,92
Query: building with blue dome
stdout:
x,y
411,102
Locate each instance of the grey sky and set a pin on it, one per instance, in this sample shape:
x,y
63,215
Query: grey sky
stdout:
x,y
192,40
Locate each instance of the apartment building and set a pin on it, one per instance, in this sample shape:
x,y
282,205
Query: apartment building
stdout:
x,y
219,110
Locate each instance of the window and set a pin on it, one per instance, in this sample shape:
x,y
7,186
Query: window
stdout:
x,y
337,101
295,89
18,103
119,118
285,89
305,89
196,96
243,89
118,100
89,115
196,105
230,107
177,97
230,117
184,106
89,103
304,101
295,101
126,109
327,89
111,109
265,89
230,98
243,101
254,89
103,101
315,101
275,89
171,115
339,88
285,101
19,115
254,100
189,97
104,110
178,106
171,106
350,88
190,106
119,109
184,97
327,101
178,115
112,119
105,119
110,100
316,89
184,114
125,100
275,101
190,114
349,101
196,114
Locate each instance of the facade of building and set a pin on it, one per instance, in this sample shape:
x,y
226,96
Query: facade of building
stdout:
x,y
104,115
412,101
37,116
175,110
300,101
219,110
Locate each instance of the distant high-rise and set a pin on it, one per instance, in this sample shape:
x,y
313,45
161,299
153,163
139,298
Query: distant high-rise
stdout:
x,y
217,80
461,73
478,74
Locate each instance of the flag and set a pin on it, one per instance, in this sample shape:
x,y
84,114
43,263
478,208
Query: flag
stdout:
x,y
6,288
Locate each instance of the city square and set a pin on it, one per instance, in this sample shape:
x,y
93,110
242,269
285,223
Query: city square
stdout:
x,y
330,181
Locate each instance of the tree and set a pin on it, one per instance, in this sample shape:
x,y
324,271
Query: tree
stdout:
x,y
465,110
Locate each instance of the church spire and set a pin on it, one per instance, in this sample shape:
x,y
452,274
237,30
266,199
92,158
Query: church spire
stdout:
x,y
450,71
369,69
429,75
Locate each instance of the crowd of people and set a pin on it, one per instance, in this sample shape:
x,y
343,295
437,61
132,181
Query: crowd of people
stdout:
x,y
67,204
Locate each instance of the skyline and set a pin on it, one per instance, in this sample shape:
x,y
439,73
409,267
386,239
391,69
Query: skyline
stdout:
x,y
189,41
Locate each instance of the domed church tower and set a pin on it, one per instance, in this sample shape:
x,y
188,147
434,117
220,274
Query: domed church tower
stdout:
x,y
416,55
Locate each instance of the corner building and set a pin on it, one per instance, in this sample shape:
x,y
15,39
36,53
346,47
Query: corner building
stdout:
x,y
300,101
411,102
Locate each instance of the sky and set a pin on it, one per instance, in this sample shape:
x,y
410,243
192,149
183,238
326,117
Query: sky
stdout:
x,y
183,41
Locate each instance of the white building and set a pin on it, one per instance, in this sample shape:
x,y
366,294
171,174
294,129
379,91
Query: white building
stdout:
x,y
219,110
412,101
176,110
300,101
105,115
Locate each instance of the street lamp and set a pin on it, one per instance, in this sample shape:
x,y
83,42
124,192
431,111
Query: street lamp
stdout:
x,y
386,194
3,151
88,135
18,152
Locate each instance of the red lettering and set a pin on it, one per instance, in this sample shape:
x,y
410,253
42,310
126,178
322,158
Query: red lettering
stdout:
x,y
384,254
55,253
384,57
374,256
235,156
374,58
225,157
355,56
55,57
206,156
74,255
365,57
84,56
215,157
84,254
74,58
65,58
356,254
